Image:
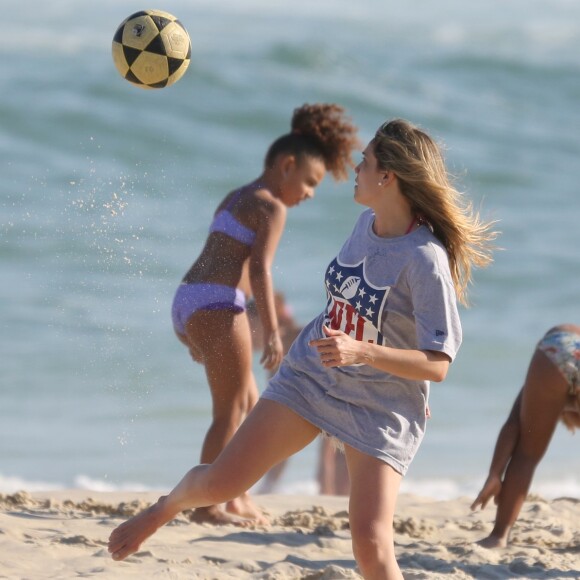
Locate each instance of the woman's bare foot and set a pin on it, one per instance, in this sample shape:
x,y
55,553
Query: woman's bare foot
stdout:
x,y
492,542
244,507
215,515
128,537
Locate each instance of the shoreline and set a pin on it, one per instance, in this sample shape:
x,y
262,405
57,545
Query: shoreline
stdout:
x,y
64,534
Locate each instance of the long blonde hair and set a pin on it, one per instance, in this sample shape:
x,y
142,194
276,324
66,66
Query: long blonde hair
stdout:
x,y
423,179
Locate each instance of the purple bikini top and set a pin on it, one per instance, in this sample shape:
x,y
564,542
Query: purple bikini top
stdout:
x,y
225,223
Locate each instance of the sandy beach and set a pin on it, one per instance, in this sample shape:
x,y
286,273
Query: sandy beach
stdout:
x,y
64,534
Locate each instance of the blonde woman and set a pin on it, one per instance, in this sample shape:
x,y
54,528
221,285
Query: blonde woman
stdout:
x,y
360,371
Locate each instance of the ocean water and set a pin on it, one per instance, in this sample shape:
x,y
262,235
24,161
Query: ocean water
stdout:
x,y
106,192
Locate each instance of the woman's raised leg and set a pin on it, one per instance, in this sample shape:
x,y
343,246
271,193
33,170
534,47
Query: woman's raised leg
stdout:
x,y
271,433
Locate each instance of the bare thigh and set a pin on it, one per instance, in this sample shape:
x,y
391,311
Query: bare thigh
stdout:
x,y
224,342
373,492
271,433
544,396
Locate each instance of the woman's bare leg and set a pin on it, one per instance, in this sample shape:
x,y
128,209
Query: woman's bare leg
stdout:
x,y
543,398
374,487
271,433
223,341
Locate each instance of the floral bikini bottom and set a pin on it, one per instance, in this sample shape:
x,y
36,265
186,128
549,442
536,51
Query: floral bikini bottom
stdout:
x,y
563,349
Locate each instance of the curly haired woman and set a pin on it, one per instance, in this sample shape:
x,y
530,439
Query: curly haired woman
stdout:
x,y
209,306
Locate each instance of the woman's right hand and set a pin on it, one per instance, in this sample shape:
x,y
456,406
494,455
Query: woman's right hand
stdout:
x,y
273,352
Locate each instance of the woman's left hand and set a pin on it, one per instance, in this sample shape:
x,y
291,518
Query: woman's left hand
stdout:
x,y
337,349
491,489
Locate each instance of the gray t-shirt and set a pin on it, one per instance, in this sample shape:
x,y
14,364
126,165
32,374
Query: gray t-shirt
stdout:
x,y
395,292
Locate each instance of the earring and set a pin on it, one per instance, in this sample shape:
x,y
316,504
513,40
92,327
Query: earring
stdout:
x,y
380,183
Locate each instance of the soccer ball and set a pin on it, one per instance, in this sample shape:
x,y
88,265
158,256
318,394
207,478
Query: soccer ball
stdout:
x,y
151,49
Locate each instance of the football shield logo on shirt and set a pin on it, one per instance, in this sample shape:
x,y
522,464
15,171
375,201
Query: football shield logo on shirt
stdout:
x,y
354,305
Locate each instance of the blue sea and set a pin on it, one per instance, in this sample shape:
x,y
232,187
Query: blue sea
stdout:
x,y
106,192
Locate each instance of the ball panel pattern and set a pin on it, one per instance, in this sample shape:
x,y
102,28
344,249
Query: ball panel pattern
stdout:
x,y
176,44
120,59
152,69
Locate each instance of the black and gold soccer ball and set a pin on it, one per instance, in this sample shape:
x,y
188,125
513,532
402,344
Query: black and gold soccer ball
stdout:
x,y
151,49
